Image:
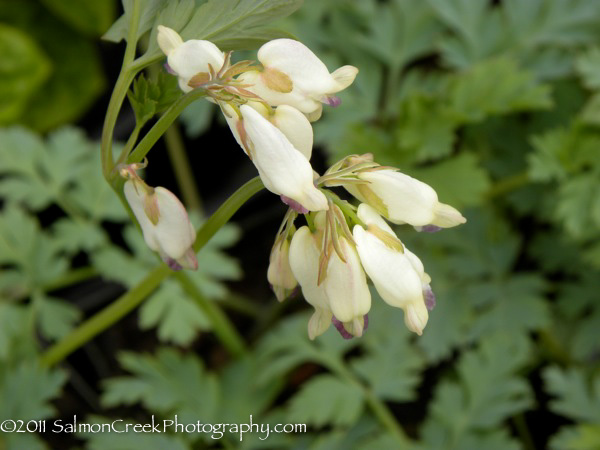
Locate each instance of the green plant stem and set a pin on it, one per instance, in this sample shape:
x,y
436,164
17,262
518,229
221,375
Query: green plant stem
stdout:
x,y
105,318
161,126
120,92
344,206
182,168
221,325
130,300
72,277
508,184
521,426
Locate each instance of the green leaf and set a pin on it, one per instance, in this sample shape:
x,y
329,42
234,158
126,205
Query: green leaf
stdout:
x,y
150,97
478,31
399,32
494,87
562,152
56,317
326,399
130,440
91,18
426,127
391,365
26,391
588,67
459,181
149,9
515,304
23,244
77,79
487,392
578,437
12,323
177,318
72,236
576,396
168,383
578,205
24,69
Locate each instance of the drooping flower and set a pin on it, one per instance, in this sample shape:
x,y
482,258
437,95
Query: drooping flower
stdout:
x,y
279,273
188,59
403,199
283,169
293,75
332,278
164,222
396,272
304,262
291,122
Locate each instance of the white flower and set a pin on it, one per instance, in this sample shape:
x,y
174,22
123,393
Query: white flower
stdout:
x,y
304,262
291,122
282,168
293,75
403,199
347,289
279,272
343,294
188,58
164,222
397,275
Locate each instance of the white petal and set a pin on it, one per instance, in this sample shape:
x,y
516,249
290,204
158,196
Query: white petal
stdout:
x,y
279,272
135,196
193,57
408,200
318,323
370,216
391,272
296,98
307,71
174,231
346,285
304,262
296,128
283,169
415,317
168,39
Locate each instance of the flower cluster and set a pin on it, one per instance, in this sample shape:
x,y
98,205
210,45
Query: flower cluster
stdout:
x,y
269,108
333,254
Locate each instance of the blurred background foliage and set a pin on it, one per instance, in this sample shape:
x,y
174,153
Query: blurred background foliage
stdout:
x,y
495,104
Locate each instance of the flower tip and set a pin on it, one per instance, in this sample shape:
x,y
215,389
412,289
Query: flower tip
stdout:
x,y
446,216
296,206
344,76
415,317
331,100
168,39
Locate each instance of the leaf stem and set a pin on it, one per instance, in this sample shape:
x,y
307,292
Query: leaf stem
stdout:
x,y
162,124
508,184
182,168
120,92
130,300
221,324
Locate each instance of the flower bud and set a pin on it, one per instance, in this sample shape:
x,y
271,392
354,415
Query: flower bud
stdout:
x,y
279,273
293,75
397,275
164,222
403,199
282,168
190,58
